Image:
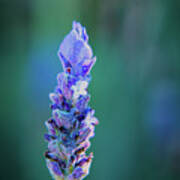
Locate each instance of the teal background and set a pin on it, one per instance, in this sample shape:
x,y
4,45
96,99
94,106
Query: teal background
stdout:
x,y
135,88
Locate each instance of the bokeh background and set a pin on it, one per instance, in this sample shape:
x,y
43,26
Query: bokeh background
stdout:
x,y
135,88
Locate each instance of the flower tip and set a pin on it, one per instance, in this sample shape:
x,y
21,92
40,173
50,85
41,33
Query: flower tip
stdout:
x,y
80,30
75,24
77,27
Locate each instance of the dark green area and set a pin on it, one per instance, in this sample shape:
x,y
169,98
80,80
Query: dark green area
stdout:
x,y
135,88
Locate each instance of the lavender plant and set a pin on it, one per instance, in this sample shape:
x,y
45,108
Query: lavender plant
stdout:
x,y
72,123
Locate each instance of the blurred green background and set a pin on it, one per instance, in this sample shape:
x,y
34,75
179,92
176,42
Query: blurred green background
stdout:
x,y
135,88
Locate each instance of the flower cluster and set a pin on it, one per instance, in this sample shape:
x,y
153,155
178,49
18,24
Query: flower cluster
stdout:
x,y
72,122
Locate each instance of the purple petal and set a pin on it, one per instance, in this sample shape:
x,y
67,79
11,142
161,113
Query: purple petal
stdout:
x,y
49,137
77,173
54,167
85,67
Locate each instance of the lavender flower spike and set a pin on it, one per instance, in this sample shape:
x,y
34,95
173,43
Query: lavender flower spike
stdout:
x,y
72,123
